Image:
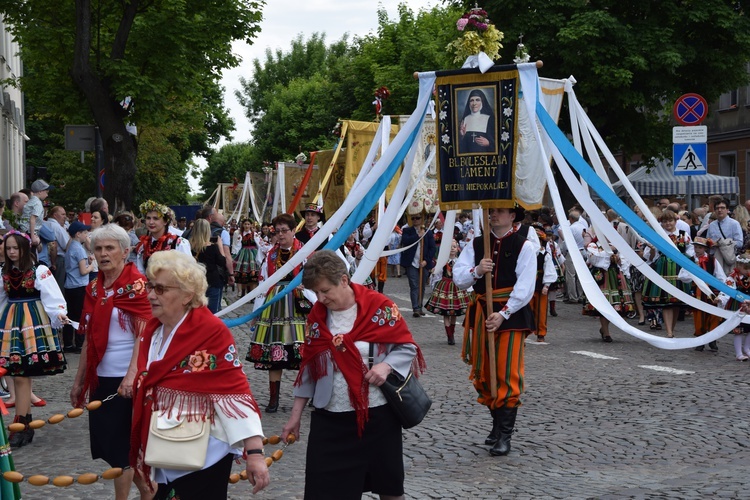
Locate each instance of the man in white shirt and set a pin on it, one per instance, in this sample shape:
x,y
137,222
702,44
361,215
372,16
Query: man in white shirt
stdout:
x,y
724,227
574,292
56,222
512,268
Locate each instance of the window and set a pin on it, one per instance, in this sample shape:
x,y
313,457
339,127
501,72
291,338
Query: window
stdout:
x,y
728,164
728,100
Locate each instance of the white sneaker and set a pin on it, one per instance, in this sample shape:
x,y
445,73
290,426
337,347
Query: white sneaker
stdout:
x,y
742,357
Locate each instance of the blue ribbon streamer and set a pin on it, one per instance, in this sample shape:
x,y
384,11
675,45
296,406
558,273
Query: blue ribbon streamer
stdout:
x,y
352,222
610,198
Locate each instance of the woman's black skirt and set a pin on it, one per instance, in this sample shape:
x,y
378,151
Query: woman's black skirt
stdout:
x,y
342,465
109,426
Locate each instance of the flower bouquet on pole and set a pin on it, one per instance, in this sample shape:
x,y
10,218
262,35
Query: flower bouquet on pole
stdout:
x,y
479,44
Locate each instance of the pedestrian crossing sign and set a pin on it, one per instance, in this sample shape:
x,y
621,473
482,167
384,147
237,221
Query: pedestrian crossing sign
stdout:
x,y
689,159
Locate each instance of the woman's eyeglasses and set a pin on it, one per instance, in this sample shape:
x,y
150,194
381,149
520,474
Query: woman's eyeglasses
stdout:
x,y
283,231
159,289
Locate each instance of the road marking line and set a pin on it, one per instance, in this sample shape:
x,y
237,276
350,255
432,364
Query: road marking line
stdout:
x,y
667,369
593,354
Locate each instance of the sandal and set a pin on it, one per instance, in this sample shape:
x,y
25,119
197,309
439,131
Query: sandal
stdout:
x,y
670,336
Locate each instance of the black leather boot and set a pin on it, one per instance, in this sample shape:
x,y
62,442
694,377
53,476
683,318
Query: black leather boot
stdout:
x,y
18,439
273,402
494,435
381,285
507,421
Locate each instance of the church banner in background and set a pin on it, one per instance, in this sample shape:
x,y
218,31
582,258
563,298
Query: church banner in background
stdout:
x,y
477,122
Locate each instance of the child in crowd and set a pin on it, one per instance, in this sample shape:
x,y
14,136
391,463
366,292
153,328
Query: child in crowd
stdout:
x,y
447,300
78,266
739,278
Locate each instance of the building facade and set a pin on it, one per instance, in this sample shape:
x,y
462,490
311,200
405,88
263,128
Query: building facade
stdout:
x,y
728,125
12,130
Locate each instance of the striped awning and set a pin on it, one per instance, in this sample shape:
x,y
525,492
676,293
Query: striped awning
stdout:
x,y
661,181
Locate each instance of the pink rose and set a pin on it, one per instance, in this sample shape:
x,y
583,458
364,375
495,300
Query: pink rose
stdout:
x,y
461,24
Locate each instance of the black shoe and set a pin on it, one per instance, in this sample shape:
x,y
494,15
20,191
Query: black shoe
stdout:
x,y
713,346
422,313
72,349
416,314
699,348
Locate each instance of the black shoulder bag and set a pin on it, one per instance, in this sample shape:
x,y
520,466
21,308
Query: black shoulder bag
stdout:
x,y
405,396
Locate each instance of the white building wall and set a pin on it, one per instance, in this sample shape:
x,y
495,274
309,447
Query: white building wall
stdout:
x,y
12,129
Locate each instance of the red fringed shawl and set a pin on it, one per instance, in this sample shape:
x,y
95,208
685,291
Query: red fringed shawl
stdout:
x,y
130,298
200,369
378,320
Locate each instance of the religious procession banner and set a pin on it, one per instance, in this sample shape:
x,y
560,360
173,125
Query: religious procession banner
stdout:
x,y
333,193
294,173
359,137
231,195
477,136
530,183
425,196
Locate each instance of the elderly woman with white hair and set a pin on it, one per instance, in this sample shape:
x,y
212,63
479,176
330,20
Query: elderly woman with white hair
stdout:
x,y
115,313
189,373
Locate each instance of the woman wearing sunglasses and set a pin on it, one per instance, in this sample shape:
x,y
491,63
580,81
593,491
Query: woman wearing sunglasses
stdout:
x,y
188,369
115,312
280,330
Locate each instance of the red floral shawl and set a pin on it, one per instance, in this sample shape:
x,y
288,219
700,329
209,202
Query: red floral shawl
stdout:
x,y
200,369
130,298
378,320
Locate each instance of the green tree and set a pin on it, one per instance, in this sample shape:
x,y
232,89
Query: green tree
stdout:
x,y
83,59
295,98
228,163
632,59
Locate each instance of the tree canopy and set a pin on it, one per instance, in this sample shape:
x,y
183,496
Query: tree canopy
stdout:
x,y
294,98
632,59
83,59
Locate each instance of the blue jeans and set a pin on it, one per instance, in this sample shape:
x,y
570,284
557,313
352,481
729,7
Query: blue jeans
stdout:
x,y
413,274
214,298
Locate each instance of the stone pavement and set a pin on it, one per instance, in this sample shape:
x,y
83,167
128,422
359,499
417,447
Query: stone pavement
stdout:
x,y
590,427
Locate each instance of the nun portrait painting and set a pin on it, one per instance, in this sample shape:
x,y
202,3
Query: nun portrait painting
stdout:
x,y
477,126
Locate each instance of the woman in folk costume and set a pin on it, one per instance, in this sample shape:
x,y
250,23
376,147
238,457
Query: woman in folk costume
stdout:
x,y
33,309
703,321
280,330
545,278
655,297
607,268
115,312
246,268
739,279
558,260
446,299
188,370
355,338
158,238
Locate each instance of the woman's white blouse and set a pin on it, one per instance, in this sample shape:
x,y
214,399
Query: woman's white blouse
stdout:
x,y
342,322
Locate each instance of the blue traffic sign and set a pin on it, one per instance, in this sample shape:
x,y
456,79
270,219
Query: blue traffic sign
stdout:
x,y
690,159
690,109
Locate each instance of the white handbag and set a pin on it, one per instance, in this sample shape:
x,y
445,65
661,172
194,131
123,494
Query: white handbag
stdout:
x,y
182,447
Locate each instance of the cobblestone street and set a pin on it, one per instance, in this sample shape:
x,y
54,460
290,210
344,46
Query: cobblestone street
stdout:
x,y
619,420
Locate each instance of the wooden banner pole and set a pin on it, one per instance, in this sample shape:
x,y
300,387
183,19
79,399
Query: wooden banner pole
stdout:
x,y
488,294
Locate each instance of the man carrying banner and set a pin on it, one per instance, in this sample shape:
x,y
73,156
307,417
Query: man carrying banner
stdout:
x,y
513,275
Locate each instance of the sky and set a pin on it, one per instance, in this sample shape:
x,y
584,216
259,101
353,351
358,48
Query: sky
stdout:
x,y
282,21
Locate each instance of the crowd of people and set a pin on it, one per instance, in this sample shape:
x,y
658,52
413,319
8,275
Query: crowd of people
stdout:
x,y
134,295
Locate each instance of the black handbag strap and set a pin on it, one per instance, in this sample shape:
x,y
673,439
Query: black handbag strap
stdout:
x,y
371,357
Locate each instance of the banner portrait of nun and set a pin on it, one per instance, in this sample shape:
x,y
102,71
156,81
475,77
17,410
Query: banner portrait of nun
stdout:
x,y
476,129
